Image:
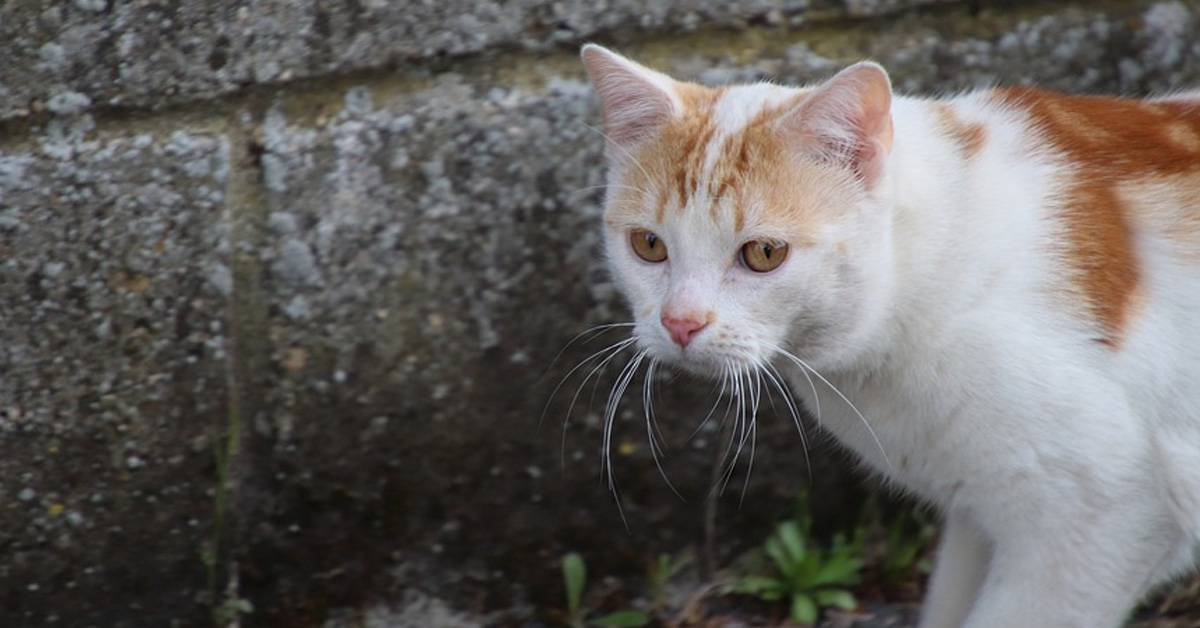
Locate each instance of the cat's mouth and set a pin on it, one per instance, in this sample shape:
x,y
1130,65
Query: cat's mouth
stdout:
x,y
703,358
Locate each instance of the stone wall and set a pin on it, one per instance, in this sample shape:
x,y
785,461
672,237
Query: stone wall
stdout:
x,y
283,286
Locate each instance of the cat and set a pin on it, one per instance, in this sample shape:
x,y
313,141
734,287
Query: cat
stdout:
x,y
992,299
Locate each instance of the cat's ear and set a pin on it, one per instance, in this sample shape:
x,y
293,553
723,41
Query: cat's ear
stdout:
x,y
847,121
636,100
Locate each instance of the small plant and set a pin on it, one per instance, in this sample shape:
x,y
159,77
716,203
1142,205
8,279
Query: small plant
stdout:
x,y
659,574
897,540
909,536
808,577
575,578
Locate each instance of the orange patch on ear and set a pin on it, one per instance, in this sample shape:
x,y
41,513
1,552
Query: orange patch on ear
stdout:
x,y
1109,142
970,137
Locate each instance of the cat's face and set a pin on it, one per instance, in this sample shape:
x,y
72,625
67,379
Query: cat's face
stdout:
x,y
746,221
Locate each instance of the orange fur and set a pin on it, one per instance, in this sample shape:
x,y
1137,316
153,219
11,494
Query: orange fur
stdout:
x,y
747,162
753,167
1111,142
970,137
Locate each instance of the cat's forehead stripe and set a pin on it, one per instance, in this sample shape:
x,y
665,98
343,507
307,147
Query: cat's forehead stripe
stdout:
x,y
713,140
1110,143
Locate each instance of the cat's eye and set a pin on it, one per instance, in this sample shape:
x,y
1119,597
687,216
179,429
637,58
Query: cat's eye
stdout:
x,y
648,245
763,256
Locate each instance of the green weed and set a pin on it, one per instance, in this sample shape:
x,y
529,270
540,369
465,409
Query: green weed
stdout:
x,y
575,578
807,576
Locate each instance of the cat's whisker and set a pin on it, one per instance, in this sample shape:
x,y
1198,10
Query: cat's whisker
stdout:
x,y
612,352
741,432
805,367
776,378
719,388
610,412
611,142
656,448
614,348
651,378
729,374
812,386
590,333
752,421
737,438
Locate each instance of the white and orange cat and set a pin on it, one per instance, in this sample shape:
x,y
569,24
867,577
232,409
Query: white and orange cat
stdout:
x,y
1004,286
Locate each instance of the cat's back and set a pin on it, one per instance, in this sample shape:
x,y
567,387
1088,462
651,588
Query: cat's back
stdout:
x,y
1119,185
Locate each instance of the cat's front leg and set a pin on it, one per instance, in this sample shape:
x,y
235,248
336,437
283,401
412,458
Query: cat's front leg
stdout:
x,y
1085,575
962,559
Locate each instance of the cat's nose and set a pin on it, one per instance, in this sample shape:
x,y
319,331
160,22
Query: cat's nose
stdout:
x,y
683,329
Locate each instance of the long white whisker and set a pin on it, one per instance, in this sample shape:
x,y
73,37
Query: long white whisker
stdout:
x,y
610,412
774,376
752,420
652,428
728,374
591,332
716,403
739,434
613,351
614,348
804,366
656,436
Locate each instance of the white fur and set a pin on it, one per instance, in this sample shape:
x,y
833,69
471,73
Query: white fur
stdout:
x,y
1068,471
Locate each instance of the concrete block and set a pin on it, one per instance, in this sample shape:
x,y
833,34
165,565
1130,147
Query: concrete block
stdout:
x,y
112,298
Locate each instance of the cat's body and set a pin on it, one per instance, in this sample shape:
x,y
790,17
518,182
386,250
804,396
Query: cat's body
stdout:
x,y
1005,285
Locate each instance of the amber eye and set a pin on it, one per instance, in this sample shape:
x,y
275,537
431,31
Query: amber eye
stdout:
x,y
764,255
648,245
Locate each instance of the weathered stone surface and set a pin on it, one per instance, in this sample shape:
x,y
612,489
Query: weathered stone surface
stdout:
x,y
70,56
369,281
112,289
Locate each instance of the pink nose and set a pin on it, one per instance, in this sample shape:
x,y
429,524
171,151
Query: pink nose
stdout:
x,y
683,329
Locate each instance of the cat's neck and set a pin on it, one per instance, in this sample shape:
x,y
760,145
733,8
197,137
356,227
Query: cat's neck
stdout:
x,y
966,225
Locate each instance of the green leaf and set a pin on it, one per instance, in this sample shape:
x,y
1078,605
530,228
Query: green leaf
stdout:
x,y
779,558
630,618
575,577
837,598
804,611
793,542
838,571
804,572
765,587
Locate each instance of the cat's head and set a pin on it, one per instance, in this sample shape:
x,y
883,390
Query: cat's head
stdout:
x,y
744,220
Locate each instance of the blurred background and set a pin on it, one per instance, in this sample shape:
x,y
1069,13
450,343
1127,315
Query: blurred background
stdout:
x,y
287,288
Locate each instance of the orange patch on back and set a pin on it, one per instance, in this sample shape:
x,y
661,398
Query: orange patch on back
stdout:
x,y
970,137
1184,135
1109,142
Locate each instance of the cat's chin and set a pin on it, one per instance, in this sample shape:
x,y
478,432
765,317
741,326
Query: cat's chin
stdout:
x,y
705,364
707,370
